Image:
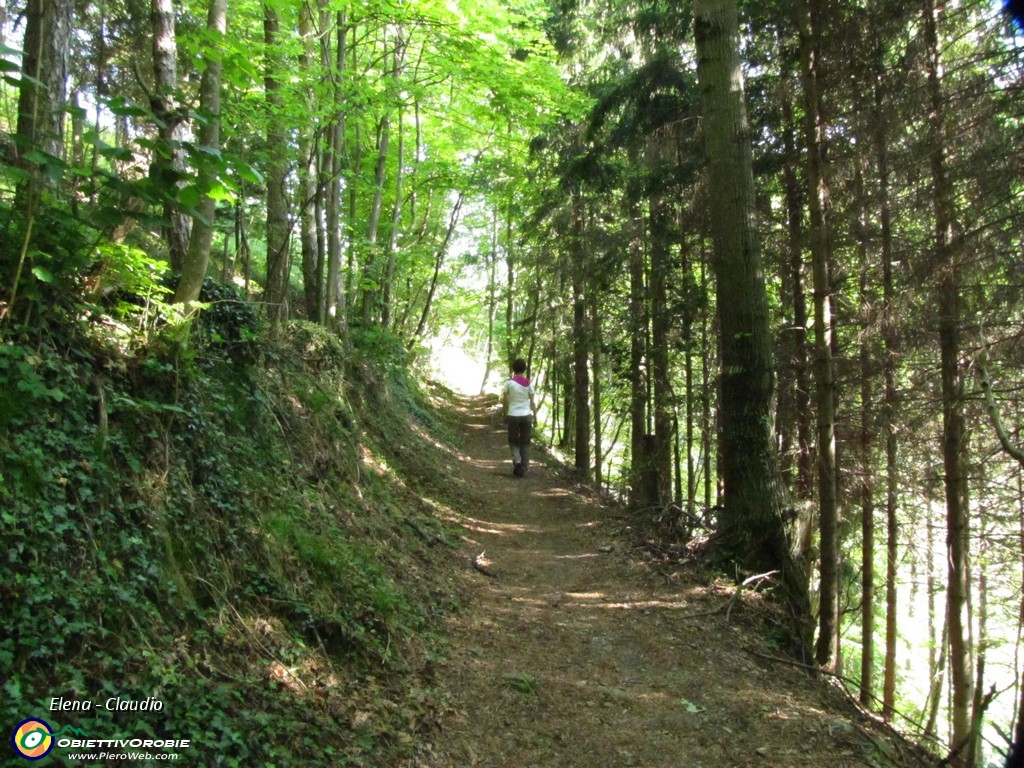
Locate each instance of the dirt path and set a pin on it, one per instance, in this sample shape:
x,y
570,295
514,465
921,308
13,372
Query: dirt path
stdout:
x,y
574,654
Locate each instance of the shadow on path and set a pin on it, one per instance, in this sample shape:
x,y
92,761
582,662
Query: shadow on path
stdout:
x,y
572,655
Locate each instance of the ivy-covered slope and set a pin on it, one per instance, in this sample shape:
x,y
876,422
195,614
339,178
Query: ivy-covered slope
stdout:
x,y
241,529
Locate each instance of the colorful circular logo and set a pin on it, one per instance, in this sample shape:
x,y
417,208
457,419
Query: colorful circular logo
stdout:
x,y
32,739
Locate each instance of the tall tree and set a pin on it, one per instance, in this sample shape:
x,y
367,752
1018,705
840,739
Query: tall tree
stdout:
x,y
947,259
197,257
880,147
660,216
335,298
809,26
310,198
643,493
753,523
169,160
278,230
580,336
42,97
42,94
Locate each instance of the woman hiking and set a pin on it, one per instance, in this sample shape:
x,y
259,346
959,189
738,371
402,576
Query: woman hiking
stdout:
x,y
519,405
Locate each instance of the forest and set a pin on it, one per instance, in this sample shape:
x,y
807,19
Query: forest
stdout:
x,y
764,260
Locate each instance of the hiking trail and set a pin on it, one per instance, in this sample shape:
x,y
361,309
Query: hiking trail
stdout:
x,y
574,651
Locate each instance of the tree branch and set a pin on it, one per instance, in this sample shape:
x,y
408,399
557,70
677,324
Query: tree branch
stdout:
x,y
1016,451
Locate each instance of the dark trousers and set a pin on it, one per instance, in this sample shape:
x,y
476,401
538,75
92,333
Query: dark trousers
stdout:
x,y
520,429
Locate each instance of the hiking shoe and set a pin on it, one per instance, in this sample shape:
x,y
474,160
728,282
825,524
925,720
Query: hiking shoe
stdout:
x,y
518,470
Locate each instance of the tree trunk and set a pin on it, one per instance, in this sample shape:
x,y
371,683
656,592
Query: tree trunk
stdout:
x,y
867,484
334,301
43,91
753,522
491,262
442,251
890,398
1015,755
372,273
707,438
308,174
595,356
41,101
953,439
278,261
580,343
827,650
979,704
197,257
396,220
639,498
169,162
800,397
690,414
662,457
371,267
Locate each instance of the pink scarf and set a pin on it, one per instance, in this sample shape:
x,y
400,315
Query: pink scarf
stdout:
x,y
521,380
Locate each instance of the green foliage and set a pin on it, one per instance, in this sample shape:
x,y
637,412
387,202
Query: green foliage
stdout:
x,y
522,682
182,523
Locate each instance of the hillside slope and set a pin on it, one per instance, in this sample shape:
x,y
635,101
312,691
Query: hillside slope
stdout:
x,y
230,543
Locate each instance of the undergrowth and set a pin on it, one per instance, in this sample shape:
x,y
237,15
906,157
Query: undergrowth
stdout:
x,y
234,523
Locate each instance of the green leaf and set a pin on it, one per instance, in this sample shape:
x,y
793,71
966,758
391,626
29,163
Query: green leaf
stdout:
x,y
692,708
13,688
219,193
126,108
248,172
190,196
18,175
43,275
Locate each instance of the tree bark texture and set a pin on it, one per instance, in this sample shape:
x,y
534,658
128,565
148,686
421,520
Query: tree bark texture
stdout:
x,y
660,321
278,257
581,342
953,436
798,364
169,162
197,257
335,297
753,525
827,649
891,397
867,480
312,267
640,496
43,93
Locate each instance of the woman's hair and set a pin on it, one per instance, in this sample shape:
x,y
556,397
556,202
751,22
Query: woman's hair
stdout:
x,y
519,365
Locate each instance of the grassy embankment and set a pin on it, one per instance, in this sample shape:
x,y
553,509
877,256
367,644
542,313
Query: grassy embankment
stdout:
x,y
242,528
